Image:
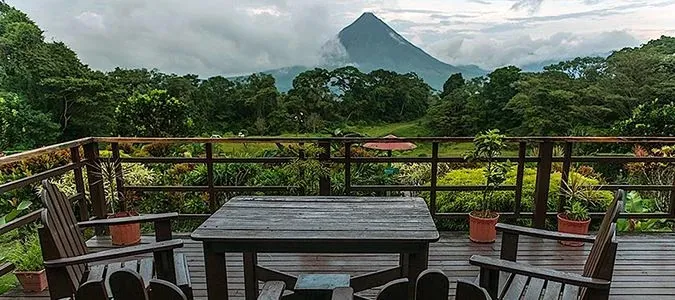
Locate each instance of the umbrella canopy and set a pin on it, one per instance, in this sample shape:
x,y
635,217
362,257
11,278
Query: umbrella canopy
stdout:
x,y
390,146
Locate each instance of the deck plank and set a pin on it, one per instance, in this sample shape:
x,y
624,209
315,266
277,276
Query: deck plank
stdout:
x,y
644,269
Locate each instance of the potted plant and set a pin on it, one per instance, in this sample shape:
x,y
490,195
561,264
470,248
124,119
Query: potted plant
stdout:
x,y
482,221
29,267
574,219
120,204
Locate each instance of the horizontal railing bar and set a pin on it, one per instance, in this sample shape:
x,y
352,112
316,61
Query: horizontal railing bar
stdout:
x,y
423,188
44,150
20,221
6,268
594,215
262,160
633,187
620,159
163,160
206,188
167,188
76,197
193,216
253,188
533,139
12,185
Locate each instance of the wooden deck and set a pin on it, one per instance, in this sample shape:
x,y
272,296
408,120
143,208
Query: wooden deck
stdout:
x,y
645,266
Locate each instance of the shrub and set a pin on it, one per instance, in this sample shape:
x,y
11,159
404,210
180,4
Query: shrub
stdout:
x,y
27,256
505,200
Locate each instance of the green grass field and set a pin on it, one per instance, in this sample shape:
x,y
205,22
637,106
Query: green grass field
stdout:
x,y
406,129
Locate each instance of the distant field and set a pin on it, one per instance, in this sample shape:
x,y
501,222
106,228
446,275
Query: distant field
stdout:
x,y
406,129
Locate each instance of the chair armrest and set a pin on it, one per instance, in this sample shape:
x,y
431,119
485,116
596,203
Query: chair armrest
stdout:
x,y
538,272
114,254
128,220
272,290
343,293
546,234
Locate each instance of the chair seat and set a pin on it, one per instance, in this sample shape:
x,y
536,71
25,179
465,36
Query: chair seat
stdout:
x,y
145,268
523,287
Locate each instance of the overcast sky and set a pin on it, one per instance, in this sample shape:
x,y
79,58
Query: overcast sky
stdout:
x,y
209,37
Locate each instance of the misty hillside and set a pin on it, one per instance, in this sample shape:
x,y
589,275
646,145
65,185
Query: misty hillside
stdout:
x,y
371,44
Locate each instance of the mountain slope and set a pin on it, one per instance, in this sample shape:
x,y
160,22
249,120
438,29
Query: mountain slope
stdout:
x,y
371,44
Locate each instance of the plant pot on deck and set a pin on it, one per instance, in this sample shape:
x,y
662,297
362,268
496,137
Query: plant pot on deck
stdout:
x,y
482,229
127,234
568,226
32,282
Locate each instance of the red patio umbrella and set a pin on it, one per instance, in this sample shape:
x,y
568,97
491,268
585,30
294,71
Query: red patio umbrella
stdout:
x,y
389,146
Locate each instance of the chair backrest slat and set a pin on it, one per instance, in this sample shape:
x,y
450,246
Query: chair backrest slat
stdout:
x,y
432,285
604,237
62,226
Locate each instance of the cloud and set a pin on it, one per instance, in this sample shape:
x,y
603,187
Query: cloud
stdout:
x,y
524,50
214,37
534,5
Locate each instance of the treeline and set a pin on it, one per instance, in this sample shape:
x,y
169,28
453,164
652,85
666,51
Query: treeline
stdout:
x,y
630,93
47,94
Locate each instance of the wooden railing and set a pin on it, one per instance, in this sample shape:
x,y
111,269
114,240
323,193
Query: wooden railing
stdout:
x,y
96,205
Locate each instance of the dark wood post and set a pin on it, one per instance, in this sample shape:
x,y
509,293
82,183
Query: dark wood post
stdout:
x,y
520,173
302,156
565,175
542,184
79,184
672,200
96,189
434,178
119,176
324,181
348,168
213,203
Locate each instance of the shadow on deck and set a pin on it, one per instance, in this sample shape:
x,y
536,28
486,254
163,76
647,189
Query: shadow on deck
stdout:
x,y
645,265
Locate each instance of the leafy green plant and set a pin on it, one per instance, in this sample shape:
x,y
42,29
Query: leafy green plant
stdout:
x,y
576,211
635,203
26,255
18,208
487,147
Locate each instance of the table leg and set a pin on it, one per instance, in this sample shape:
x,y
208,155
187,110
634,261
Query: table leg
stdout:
x,y
216,274
417,262
250,276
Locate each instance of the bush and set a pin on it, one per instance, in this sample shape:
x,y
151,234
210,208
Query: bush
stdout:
x,y
27,256
505,200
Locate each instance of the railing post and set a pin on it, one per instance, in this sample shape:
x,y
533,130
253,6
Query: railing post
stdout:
x,y
324,181
119,176
213,204
434,178
96,189
520,174
302,156
348,168
79,184
542,184
565,175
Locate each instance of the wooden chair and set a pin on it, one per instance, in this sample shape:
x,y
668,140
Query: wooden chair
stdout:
x,y
67,261
430,285
519,278
129,285
470,291
274,290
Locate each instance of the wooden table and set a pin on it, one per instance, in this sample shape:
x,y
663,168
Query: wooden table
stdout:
x,y
283,224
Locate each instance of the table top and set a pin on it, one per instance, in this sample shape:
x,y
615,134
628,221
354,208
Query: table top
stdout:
x,y
287,218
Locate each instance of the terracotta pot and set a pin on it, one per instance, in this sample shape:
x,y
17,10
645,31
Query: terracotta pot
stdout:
x,y
482,230
32,282
127,234
568,226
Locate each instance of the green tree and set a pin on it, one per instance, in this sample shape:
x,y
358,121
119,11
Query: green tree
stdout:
x,y
23,127
153,114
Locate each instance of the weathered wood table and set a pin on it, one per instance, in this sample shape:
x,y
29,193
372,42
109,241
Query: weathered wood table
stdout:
x,y
281,224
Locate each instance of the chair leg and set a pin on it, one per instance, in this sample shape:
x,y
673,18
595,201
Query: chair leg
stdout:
x,y
164,266
489,280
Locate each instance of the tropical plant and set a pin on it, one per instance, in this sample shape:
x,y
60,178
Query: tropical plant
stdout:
x,y
487,147
26,255
576,211
635,203
18,208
